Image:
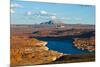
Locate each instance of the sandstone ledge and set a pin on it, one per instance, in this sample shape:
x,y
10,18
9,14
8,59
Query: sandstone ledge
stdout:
x,y
26,51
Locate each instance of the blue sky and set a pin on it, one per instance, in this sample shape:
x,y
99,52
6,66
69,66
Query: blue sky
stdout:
x,y
27,12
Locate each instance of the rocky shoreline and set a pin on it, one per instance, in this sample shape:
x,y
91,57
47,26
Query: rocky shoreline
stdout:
x,y
85,43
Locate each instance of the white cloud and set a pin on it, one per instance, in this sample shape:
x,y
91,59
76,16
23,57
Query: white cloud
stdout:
x,y
43,12
38,13
66,18
29,13
15,5
53,17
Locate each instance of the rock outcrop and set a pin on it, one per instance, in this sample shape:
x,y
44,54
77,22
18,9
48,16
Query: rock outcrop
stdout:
x,y
85,43
26,51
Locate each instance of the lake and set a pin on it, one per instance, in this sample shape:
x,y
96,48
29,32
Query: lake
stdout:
x,y
63,45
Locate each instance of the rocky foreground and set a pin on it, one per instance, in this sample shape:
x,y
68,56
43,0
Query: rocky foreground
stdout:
x,y
26,51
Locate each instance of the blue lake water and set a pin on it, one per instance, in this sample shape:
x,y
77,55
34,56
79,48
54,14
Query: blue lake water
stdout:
x,y
63,45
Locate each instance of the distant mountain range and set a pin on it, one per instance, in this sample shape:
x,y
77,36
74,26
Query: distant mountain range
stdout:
x,y
53,22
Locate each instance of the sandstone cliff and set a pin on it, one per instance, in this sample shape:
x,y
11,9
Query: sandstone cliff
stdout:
x,y
26,51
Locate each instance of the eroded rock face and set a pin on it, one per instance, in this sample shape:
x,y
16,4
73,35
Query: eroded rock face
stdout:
x,y
22,41
85,43
25,51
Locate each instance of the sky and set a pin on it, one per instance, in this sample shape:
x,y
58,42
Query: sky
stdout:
x,y
30,12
